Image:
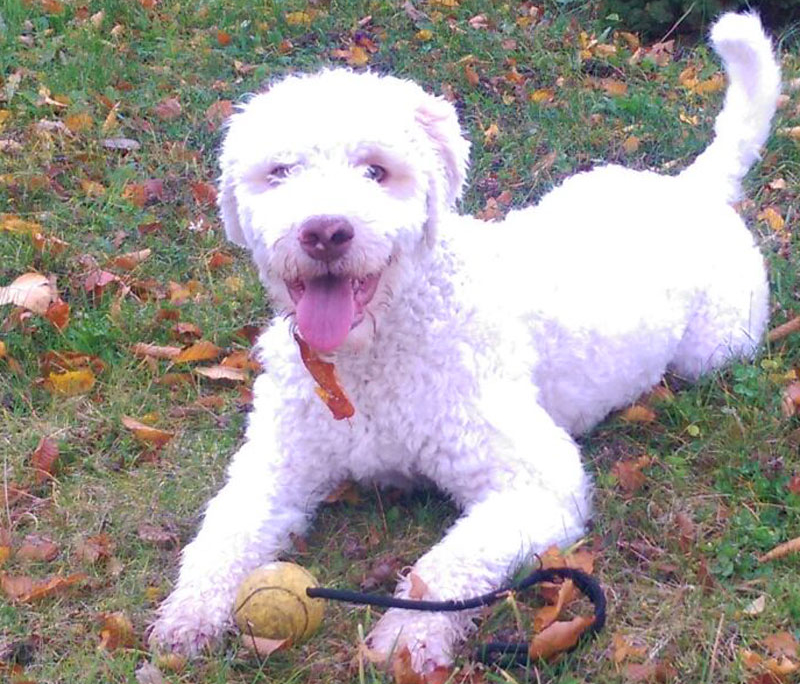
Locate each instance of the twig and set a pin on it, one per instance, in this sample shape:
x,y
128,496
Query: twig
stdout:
x,y
784,330
714,649
781,550
678,23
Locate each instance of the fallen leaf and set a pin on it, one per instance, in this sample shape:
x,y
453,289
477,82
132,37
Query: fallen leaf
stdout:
x,y
402,670
654,671
347,492
37,548
784,330
98,280
44,458
203,193
186,332
638,414
261,646
547,615
781,644
98,547
25,590
116,631
157,535
129,261
168,109
790,399
219,259
773,219
71,383
202,350
220,372
58,314
155,351
32,291
145,433
558,637
624,648
124,144
629,473
218,112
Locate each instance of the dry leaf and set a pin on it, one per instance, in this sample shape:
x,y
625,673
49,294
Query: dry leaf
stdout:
x,y
547,615
756,606
147,673
261,646
129,261
71,383
32,291
220,372
558,637
784,330
168,109
402,670
328,387
629,473
145,433
654,671
157,535
203,193
155,351
116,631
37,548
98,547
203,350
58,314
186,332
44,458
25,590
638,414
624,649
781,644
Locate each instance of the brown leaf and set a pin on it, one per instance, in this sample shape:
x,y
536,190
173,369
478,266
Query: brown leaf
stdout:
x,y
28,591
686,532
98,280
147,192
261,646
147,673
155,351
44,458
58,314
98,547
624,648
219,259
186,332
145,433
129,261
37,548
402,670
781,644
203,350
558,637
547,615
116,631
157,535
654,671
629,473
168,109
218,112
328,389
204,194
784,330
346,491
791,546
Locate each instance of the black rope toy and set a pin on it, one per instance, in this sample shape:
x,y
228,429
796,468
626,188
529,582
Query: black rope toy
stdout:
x,y
517,652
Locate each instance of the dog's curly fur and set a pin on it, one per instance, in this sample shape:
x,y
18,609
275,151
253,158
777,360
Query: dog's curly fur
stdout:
x,y
472,352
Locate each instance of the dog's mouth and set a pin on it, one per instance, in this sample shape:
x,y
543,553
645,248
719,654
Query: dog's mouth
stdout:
x,y
328,307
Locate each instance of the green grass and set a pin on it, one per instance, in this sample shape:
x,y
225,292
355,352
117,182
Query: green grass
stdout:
x,y
723,455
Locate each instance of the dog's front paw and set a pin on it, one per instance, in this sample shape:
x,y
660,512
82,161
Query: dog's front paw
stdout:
x,y
188,626
425,642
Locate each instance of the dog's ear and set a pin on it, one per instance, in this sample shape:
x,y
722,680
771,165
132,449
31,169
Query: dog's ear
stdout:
x,y
438,119
228,206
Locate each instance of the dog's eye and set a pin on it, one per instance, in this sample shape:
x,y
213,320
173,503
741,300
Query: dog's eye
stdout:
x,y
279,172
376,173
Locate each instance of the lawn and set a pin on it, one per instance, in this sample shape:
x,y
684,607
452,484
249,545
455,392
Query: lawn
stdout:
x,y
110,118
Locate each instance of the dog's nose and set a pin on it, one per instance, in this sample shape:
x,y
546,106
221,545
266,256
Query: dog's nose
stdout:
x,y
326,237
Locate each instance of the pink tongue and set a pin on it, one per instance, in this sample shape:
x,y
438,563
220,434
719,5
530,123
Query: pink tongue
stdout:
x,y
325,312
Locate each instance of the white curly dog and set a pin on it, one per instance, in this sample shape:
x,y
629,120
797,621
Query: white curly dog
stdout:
x,y
470,351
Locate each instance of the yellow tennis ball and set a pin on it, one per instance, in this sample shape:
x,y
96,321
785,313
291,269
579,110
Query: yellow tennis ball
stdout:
x,y
272,603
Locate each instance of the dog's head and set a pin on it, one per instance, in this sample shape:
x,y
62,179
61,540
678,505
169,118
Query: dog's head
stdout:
x,y
334,182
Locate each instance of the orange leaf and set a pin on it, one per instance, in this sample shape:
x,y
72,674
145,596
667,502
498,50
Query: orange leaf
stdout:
x,y
329,389
44,459
261,646
223,38
145,433
629,473
218,260
218,112
402,670
58,314
781,644
129,261
186,331
558,637
96,282
95,548
654,671
116,631
203,193
203,350
546,615
638,414
44,588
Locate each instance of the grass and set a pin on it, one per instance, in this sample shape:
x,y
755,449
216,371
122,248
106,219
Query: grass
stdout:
x,y
722,453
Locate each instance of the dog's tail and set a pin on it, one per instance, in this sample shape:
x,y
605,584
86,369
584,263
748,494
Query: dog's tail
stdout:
x,y
742,127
